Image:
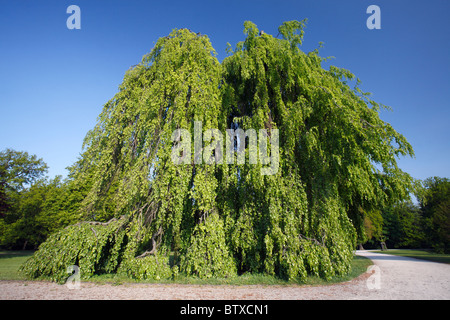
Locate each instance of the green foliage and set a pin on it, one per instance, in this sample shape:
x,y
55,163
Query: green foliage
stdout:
x,y
292,31
151,267
33,207
91,247
19,169
330,141
403,226
22,221
4,200
38,211
406,225
207,254
435,205
224,219
373,225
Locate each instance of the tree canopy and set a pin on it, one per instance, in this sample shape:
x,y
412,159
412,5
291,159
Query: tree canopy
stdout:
x,y
32,206
148,216
408,225
435,205
19,169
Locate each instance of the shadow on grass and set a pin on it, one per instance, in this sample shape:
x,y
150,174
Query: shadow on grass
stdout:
x,y
15,254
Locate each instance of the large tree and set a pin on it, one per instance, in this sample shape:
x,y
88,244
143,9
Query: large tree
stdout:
x,y
337,160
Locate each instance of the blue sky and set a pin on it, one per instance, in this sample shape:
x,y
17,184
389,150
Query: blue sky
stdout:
x,y
55,81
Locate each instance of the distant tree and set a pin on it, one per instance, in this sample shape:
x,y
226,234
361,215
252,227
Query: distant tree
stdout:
x,y
435,206
61,205
391,227
403,225
38,211
406,225
4,202
22,229
19,169
373,228
31,206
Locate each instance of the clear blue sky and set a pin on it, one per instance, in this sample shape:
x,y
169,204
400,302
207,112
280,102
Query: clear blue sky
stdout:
x,y
54,81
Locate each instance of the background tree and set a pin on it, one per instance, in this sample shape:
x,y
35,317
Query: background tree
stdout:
x,y
4,201
19,169
373,229
32,206
403,226
424,225
22,227
435,207
224,219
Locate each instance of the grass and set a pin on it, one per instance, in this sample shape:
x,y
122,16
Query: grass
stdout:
x,y
419,254
10,262
359,266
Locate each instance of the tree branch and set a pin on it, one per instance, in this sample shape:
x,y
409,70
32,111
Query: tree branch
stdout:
x,y
313,240
97,223
154,245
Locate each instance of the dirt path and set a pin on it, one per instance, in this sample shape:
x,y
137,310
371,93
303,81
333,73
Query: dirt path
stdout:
x,y
392,277
406,278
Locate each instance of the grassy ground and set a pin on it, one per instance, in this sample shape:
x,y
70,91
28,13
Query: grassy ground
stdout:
x,y
359,266
10,262
419,254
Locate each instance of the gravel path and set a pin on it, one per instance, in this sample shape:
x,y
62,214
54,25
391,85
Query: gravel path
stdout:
x,y
391,278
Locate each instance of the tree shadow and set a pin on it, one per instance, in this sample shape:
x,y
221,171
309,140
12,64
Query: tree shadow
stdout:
x,y
16,253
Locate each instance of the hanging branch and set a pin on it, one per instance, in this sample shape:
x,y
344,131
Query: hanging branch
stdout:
x,y
155,244
322,244
97,223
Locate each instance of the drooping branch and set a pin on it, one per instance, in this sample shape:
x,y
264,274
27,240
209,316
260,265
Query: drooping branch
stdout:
x,y
322,244
155,244
97,223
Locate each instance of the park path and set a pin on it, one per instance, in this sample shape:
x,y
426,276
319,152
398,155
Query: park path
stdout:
x,y
391,277
406,278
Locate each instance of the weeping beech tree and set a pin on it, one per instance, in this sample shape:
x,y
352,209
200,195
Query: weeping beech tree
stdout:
x,y
150,217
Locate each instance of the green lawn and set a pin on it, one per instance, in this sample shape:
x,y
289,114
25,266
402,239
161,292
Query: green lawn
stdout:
x,y
359,266
10,262
419,254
